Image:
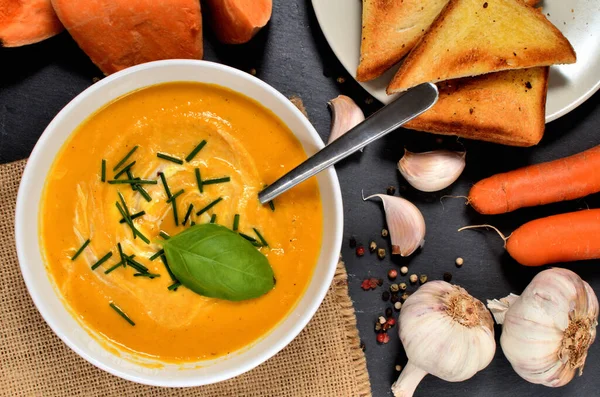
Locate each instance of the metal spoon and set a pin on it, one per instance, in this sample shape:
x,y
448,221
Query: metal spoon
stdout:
x,y
406,107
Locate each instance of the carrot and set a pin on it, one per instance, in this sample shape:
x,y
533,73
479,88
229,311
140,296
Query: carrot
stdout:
x,y
117,34
573,236
25,22
237,21
559,180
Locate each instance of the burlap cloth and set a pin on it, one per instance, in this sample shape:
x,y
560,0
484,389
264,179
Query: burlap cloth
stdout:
x,y
324,360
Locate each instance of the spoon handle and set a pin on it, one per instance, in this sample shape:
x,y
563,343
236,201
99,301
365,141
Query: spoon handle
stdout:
x,y
406,107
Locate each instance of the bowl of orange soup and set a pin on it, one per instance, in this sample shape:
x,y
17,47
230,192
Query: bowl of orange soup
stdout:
x,y
139,231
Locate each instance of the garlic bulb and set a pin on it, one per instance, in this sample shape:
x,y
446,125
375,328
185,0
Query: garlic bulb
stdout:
x,y
546,332
446,333
431,171
405,223
345,115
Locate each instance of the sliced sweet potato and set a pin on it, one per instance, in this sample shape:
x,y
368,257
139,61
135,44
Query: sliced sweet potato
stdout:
x,y
25,22
117,34
237,21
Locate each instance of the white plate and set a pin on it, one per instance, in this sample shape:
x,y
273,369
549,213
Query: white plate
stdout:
x,y
569,85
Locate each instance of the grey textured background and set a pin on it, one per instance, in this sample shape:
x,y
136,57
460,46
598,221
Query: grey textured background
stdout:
x,y
292,55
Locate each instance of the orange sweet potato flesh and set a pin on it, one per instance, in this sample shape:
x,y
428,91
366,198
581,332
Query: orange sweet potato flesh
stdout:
x,y
25,22
116,34
237,21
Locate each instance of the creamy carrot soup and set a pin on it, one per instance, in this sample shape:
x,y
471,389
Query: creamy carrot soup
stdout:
x,y
246,147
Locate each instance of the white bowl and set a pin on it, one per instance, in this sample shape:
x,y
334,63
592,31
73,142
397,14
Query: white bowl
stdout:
x,y
48,299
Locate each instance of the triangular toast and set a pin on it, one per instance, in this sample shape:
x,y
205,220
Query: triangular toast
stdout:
x,y
504,107
390,29
473,37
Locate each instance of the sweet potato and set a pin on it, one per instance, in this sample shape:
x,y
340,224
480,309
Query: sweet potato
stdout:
x,y
25,22
117,34
237,21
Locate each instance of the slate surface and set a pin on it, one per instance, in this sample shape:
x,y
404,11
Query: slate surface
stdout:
x,y
293,56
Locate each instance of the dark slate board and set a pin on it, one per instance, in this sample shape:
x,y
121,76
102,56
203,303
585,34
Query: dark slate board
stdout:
x,y
292,55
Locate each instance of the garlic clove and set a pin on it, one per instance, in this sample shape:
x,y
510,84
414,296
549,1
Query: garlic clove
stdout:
x,y
405,223
345,115
431,171
499,307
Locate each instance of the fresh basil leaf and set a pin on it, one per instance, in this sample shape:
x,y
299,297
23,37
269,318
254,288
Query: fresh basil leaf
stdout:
x,y
213,261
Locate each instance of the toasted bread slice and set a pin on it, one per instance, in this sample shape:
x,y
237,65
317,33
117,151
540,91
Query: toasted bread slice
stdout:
x,y
473,37
504,107
390,29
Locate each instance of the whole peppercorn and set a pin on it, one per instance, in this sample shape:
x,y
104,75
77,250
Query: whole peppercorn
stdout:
x,y
391,322
373,283
459,262
398,368
405,296
404,270
392,274
402,286
391,190
366,284
380,282
388,312
382,320
360,250
397,306
385,296
394,298
384,233
352,242
413,278
383,338
377,326
372,246
385,327
381,253
394,288
423,279
447,277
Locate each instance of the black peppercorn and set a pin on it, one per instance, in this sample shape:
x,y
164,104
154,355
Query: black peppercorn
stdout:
x,y
394,298
352,242
388,312
447,277
385,296
391,190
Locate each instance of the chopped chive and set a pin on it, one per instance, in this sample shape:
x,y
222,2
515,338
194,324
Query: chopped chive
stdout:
x,y
132,182
130,224
101,260
192,223
187,214
122,255
216,180
174,286
124,170
164,235
103,171
260,237
143,192
195,151
209,206
173,197
164,261
121,313
127,215
124,159
132,217
251,239
213,218
159,253
115,266
149,275
236,222
80,250
136,265
199,181
169,158
272,205
165,185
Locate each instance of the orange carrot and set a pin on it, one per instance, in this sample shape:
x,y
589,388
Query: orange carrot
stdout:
x,y
237,21
117,34
25,22
559,180
560,238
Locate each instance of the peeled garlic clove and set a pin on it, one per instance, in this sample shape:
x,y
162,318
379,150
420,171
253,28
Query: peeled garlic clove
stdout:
x,y
446,333
345,115
431,171
547,331
405,224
